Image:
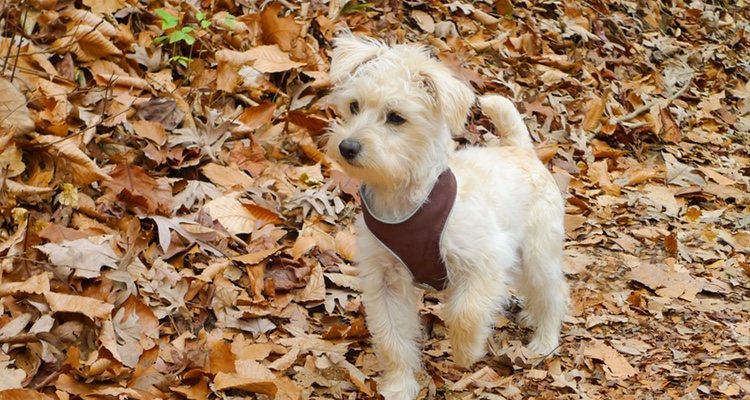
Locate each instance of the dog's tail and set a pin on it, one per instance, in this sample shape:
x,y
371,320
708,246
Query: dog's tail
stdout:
x,y
507,120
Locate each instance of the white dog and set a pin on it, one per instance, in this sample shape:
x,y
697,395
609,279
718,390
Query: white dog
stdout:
x,y
398,108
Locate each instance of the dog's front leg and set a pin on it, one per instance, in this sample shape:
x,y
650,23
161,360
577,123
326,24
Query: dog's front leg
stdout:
x,y
393,320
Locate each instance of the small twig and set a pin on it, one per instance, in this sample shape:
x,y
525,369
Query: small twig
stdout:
x,y
18,53
647,106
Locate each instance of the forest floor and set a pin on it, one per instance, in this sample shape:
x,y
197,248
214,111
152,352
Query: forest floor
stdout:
x,y
169,227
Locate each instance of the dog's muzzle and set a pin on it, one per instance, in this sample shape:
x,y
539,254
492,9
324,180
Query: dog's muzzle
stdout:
x,y
349,149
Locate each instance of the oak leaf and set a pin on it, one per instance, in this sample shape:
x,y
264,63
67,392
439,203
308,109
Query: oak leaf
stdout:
x,y
85,256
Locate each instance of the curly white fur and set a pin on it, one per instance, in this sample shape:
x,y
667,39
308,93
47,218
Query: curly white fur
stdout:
x,y
506,227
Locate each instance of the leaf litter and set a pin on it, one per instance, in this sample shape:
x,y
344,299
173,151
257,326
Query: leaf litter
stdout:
x,y
171,228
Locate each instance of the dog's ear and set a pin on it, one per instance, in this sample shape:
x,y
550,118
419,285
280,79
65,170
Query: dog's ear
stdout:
x,y
451,95
349,52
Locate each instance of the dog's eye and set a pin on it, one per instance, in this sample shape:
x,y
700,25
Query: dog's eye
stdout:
x,y
354,107
394,118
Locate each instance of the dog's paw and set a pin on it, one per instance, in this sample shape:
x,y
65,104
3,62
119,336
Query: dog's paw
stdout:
x,y
466,357
544,344
399,386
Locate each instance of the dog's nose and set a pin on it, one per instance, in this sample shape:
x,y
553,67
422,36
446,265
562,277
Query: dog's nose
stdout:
x,y
349,148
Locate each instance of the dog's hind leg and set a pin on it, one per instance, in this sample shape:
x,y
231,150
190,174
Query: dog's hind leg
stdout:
x,y
542,282
393,320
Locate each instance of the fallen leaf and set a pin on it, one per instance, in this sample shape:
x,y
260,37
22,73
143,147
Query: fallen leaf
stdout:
x,y
87,306
14,115
615,364
85,257
104,6
282,31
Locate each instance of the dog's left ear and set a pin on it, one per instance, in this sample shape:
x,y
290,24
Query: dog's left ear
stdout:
x,y
451,95
349,52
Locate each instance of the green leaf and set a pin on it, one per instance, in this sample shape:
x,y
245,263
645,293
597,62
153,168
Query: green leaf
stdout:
x,y
168,21
182,60
230,20
200,16
160,39
183,35
205,24
353,7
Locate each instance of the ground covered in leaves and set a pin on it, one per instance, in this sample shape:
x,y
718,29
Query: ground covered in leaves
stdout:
x,y
169,227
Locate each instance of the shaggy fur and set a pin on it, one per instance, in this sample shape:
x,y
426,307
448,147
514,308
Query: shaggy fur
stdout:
x,y
506,227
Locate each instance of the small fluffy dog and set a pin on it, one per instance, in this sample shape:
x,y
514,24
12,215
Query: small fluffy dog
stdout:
x,y
398,108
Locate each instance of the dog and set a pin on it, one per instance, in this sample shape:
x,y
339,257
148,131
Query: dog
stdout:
x,y
397,109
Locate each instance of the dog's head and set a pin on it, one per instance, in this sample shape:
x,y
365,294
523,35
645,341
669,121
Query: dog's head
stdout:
x,y
397,108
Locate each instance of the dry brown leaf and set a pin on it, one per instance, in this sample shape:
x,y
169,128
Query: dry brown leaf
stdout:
x,y
670,131
85,256
716,177
256,257
14,115
255,117
151,130
20,189
227,177
315,289
615,364
198,391
250,376
667,283
599,174
83,169
133,185
37,284
83,17
594,112
20,394
11,158
282,31
266,59
87,306
232,215
87,43
104,6
424,20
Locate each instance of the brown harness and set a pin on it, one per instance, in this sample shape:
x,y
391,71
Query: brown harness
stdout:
x,y
415,241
